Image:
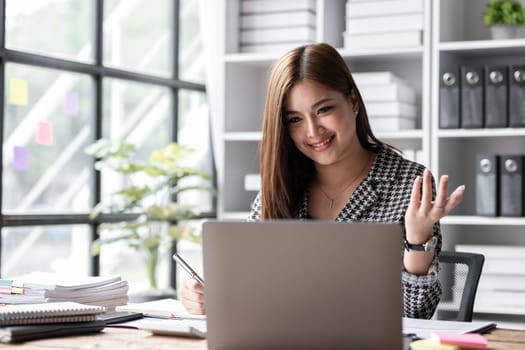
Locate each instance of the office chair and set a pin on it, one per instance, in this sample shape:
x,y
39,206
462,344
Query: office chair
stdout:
x,y
459,276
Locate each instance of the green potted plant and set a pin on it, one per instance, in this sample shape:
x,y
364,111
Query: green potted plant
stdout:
x,y
158,224
504,17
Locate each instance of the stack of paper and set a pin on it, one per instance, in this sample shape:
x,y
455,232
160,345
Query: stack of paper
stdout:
x,y
275,25
380,24
43,287
389,101
501,286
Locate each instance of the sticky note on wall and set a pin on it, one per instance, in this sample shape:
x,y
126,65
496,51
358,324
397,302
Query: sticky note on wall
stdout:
x,y
71,103
44,133
18,92
20,158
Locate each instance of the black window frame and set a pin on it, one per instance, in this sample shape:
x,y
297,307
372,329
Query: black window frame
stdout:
x,y
98,72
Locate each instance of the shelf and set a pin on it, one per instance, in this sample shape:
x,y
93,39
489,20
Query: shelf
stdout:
x,y
243,136
393,54
382,53
389,135
484,47
241,215
400,134
480,220
480,133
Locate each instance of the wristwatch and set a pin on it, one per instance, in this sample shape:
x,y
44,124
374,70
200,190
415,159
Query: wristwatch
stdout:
x,y
429,246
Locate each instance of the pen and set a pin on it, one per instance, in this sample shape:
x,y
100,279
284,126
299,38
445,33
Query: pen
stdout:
x,y
188,268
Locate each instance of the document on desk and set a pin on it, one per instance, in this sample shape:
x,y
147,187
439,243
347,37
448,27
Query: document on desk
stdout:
x,y
425,328
181,327
175,327
163,308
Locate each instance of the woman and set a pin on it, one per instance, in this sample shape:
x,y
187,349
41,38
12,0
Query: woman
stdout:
x,y
320,160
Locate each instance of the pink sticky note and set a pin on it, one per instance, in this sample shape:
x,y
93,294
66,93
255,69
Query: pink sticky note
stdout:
x,y
465,340
44,133
71,103
20,158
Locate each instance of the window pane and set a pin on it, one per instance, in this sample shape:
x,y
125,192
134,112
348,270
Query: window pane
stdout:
x,y
47,124
119,258
194,132
62,249
138,35
138,113
60,28
191,56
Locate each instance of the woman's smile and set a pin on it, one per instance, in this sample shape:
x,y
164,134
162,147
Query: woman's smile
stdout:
x,y
323,145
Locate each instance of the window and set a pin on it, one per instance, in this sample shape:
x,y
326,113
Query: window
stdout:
x,y
74,72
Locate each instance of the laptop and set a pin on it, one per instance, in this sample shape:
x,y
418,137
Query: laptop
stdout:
x,y
302,285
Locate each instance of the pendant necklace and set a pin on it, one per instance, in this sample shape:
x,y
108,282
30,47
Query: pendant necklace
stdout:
x,y
332,199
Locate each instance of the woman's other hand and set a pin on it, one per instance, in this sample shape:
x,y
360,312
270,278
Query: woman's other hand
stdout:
x,y
192,297
423,212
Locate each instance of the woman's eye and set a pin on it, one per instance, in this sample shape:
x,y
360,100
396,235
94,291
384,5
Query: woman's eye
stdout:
x,y
292,120
324,109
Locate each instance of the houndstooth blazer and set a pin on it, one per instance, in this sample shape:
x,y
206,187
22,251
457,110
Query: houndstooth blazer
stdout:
x,y
383,196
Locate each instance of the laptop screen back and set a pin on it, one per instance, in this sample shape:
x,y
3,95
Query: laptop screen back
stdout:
x,y
302,285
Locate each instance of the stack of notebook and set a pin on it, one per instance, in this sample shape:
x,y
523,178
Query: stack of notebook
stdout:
x,y
43,287
33,321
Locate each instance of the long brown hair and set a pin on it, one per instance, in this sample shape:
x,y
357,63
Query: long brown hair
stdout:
x,y
285,171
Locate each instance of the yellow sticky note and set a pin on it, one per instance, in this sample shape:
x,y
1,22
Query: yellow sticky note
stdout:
x,y
44,133
18,92
429,344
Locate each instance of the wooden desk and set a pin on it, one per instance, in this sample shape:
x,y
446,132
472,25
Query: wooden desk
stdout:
x,y
132,339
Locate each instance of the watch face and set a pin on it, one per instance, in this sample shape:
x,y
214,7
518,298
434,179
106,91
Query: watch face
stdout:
x,y
430,246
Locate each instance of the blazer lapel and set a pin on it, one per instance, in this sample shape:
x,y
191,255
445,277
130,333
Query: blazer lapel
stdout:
x,y
368,193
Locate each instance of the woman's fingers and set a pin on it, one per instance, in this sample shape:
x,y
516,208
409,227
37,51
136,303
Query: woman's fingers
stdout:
x,y
455,198
192,297
440,203
415,196
426,197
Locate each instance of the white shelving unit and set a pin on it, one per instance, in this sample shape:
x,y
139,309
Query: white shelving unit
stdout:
x,y
459,38
453,35
245,88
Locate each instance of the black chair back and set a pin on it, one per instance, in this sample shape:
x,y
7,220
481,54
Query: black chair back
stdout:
x,y
459,276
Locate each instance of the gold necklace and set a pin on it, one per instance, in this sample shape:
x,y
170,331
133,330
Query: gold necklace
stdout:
x,y
346,188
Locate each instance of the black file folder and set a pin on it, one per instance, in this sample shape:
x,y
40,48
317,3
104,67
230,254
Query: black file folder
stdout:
x,y
517,96
511,185
496,96
13,334
471,97
487,185
449,100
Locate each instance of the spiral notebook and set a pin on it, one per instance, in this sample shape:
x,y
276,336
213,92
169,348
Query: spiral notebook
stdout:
x,y
60,312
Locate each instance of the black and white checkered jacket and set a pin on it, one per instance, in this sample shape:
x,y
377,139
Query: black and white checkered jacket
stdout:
x,y
383,196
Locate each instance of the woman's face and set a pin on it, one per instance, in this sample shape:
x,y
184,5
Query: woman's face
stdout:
x,y
321,122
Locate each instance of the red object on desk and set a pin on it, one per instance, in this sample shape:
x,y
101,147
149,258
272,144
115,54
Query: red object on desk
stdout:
x,y
465,340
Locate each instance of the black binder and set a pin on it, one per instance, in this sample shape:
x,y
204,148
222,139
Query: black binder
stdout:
x,y
511,185
496,96
449,100
471,97
517,96
487,185
29,332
